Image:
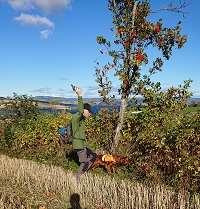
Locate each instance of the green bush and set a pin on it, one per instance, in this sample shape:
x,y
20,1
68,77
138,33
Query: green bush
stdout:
x,y
21,106
38,134
101,129
163,141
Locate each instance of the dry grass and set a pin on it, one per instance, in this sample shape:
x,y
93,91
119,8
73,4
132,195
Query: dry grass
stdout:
x,y
25,184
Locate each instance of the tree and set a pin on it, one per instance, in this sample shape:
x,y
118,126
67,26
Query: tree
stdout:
x,y
134,35
21,106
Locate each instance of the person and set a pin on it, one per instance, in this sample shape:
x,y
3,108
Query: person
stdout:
x,y
85,155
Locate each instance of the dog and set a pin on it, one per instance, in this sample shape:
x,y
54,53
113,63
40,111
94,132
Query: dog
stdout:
x,y
109,162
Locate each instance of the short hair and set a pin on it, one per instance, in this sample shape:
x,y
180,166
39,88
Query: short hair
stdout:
x,y
87,106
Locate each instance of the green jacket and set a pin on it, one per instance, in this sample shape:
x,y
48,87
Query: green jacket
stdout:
x,y
78,127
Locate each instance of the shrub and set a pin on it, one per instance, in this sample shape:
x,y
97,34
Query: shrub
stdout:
x,y
38,134
101,129
163,141
21,106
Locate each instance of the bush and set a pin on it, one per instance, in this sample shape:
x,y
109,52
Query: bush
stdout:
x,y
101,129
163,141
21,106
37,135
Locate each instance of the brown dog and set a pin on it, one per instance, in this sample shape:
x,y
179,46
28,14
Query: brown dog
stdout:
x,y
109,162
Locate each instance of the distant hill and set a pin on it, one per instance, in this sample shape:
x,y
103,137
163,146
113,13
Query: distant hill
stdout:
x,y
54,104
195,100
94,101
71,103
63,100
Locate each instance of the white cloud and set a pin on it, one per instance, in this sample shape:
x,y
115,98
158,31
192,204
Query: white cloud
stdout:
x,y
44,90
50,5
20,4
45,5
93,88
44,34
196,92
34,20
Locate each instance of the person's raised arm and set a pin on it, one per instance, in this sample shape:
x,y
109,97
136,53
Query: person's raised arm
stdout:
x,y
79,93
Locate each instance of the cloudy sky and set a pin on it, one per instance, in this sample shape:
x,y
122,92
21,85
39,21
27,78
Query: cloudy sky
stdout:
x,y
45,45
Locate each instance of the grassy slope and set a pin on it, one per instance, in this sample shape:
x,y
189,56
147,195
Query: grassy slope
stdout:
x,y
27,184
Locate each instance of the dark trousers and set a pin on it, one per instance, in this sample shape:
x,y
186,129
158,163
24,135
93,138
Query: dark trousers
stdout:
x,y
86,158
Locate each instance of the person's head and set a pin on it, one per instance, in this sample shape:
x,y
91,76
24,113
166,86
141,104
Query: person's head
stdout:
x,y
87,110
75,201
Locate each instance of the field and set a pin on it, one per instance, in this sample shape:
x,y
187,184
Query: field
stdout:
x,y
26,184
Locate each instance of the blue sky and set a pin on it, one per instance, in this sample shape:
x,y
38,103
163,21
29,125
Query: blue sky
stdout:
x,y
45,45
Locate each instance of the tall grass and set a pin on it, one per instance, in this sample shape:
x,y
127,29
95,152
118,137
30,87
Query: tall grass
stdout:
x,y
26,184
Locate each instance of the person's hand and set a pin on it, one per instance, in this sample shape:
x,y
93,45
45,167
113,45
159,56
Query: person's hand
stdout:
x,y
78,91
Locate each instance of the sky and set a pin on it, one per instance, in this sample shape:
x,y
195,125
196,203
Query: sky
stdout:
x,y
45,45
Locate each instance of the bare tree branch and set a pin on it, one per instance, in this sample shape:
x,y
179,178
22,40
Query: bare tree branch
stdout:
x,y
114,3
174,7
134,12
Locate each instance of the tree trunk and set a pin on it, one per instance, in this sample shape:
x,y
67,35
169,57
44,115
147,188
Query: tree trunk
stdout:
x,y
119,125
124,100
